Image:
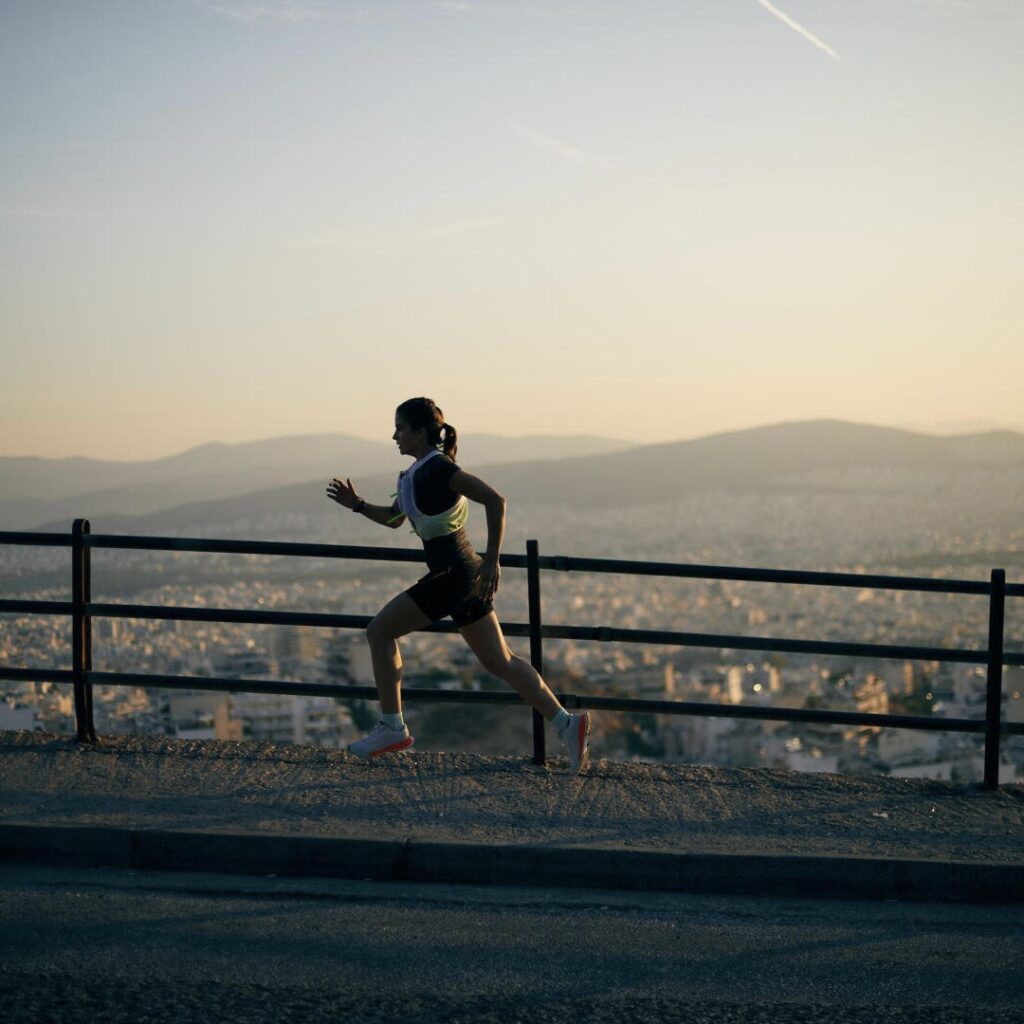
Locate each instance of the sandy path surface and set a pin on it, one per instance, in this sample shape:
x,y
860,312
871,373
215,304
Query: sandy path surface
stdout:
x,y
138,782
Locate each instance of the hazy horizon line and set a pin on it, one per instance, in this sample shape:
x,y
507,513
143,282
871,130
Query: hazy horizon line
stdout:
x,y
941,429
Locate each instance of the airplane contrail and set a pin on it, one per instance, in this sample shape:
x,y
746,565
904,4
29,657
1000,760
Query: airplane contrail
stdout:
x,y
798,28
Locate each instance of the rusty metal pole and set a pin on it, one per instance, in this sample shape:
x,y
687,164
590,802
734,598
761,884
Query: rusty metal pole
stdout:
x,y
536,653
994,689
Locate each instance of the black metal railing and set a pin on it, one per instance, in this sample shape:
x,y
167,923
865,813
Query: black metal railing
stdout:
x,y
83,609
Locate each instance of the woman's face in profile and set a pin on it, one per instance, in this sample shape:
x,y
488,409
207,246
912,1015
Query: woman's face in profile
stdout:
x,y
407,439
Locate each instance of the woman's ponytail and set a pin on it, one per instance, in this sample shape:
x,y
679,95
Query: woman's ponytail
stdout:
x,y
451,441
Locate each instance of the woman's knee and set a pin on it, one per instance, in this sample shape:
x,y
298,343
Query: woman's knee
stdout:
x,y
378,634
497,662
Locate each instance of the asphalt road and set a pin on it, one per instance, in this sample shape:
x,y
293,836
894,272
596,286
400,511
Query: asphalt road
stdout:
x,y
103,945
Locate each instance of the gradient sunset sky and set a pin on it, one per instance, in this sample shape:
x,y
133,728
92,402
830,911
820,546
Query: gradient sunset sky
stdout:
x,y
230,220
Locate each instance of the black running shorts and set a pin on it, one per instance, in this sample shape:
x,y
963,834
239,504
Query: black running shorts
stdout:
x,y
448,588
449,593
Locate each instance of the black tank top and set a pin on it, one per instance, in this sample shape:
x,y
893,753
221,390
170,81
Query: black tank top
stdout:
x,y
433,495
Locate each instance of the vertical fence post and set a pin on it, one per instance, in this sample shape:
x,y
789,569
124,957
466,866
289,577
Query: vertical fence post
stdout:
x,y
81,630
536,655
994,691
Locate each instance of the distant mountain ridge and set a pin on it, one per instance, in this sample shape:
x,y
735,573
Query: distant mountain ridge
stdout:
x,y
34,490
752,459
784,455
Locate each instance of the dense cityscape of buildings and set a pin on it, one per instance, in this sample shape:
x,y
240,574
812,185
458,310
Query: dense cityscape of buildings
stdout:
x,y
717,677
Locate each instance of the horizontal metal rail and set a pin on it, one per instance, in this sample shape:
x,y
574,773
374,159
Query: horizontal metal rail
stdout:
x,y
284,687
35,540
559,563
727,572
287,549
605,634
37,607
322,620
553,632
764,643
38,675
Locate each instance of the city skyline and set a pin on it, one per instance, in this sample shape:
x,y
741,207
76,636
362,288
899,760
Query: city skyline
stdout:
x,y
229,221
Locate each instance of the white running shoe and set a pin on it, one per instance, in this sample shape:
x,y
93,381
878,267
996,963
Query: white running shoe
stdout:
x,y
383,740
574,736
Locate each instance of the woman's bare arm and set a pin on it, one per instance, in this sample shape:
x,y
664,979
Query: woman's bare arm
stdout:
x,y
476,490
344,494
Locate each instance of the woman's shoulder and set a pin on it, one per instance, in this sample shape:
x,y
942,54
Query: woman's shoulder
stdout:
x,y
442,466
438,466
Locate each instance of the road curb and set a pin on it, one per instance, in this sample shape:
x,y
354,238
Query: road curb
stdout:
x,y
413,860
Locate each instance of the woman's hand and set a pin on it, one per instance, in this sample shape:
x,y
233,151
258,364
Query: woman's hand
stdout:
x,y
486,583
342,492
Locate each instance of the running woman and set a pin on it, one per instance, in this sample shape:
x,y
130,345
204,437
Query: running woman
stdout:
x,y
432,495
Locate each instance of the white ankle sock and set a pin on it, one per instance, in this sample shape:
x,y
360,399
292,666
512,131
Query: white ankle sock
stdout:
x,y
395,721
561,720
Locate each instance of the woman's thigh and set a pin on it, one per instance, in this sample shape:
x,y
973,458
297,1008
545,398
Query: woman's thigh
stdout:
x,y
487,641
399,616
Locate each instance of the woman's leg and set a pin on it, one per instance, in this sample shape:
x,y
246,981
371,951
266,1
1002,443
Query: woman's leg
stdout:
x,y
488,643
399,616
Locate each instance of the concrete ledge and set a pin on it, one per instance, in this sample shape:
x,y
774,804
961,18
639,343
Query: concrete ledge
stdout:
x,y
606,868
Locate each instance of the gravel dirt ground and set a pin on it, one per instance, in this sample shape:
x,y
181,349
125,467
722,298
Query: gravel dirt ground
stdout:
x,y
138,782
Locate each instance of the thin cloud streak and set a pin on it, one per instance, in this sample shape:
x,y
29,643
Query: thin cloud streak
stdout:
x,y
289,11
799,29
557,146
463,7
